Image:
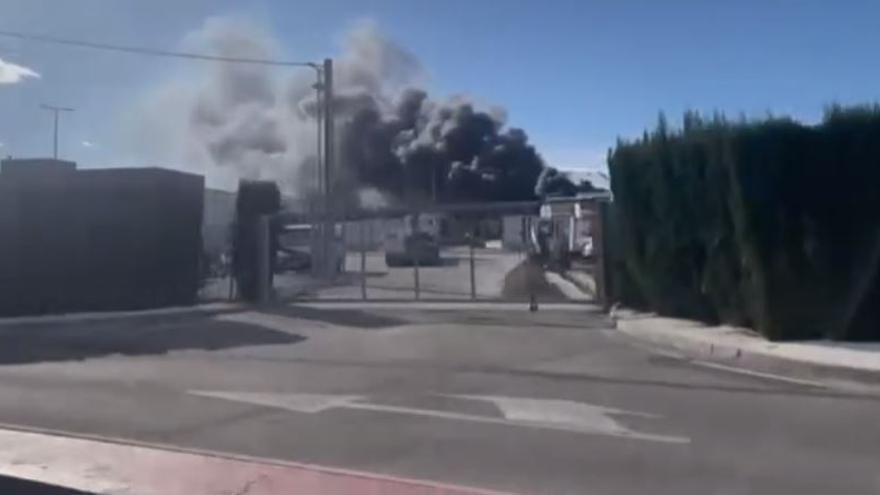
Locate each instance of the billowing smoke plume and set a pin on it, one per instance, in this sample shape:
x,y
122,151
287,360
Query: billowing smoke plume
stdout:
x,y
394,144
419,150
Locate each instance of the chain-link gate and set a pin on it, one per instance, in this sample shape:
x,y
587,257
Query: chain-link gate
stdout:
x,y
548,252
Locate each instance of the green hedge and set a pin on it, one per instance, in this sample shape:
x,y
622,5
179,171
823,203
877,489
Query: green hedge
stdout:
x,y
771,223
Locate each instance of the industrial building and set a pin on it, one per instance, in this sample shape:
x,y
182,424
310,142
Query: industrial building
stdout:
x,y
97,239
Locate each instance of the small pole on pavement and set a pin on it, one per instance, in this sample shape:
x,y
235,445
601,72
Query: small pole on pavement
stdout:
x,y
415,255
473,274
415,259
363,259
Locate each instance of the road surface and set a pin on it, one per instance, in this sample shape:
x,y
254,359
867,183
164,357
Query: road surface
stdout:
x,y
484,395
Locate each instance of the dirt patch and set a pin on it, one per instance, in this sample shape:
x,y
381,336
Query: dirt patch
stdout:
x,y
527,279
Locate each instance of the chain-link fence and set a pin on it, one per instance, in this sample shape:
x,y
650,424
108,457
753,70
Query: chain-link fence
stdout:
x,y
463,253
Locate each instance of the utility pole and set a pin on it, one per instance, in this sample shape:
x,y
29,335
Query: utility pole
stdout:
x,y
329,158
55,111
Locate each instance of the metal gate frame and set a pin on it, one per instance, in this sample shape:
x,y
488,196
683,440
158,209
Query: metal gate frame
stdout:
x,y
596,208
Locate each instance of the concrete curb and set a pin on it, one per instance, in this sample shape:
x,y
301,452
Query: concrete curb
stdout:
x,y
742,348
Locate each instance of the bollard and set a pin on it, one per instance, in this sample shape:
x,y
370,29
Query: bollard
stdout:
x,y
473,275
415,260
363,260
415,253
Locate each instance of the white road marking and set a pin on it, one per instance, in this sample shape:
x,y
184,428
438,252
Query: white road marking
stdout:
x,y
307,403
758,374
570,415
560,415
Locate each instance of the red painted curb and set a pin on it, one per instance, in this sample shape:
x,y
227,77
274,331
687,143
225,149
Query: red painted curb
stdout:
x,y
106,464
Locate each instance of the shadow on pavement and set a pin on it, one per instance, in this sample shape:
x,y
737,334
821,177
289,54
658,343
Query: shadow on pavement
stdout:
x,y
448,261
526,280
26,487
380,318
22,344
345,317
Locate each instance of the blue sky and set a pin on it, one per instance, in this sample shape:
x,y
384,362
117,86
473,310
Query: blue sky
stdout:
x,y
574,73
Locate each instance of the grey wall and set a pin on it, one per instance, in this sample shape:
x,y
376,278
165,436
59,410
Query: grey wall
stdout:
x,y
219,214
98,239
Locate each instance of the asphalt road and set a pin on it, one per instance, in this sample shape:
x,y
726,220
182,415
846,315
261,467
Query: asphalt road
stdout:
x,y
484,395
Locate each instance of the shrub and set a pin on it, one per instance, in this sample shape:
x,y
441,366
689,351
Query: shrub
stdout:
x,y
769,223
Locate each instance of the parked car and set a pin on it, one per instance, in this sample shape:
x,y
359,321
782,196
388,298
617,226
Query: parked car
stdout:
x,y
292,260
419,247
295,245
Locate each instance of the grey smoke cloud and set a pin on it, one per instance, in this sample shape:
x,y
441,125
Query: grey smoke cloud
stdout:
x,y
257,122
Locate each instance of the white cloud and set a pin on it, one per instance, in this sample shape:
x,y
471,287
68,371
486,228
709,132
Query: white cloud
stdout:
x,y
13,73
88,144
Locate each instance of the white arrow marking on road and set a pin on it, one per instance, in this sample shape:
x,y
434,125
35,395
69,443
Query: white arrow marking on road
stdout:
x,y
569,415
307,403
559,415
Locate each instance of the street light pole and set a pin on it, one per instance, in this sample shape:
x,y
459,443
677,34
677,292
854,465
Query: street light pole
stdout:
x,y
329,156
56,111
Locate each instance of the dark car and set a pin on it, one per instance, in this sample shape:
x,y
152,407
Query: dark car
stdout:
x,y
292,260
421,248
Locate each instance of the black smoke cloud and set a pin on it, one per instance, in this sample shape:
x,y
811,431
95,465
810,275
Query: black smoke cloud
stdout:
x,y
417,150
394,143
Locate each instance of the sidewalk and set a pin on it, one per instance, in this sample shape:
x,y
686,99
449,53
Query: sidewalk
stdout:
x,y
743,347
87,465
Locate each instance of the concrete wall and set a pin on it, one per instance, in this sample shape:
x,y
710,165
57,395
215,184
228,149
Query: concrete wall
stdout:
x,y
98,239
515,231
219,215
369,233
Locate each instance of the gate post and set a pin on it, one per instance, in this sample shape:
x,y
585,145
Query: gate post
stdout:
x,y
415,257
600,250
264,259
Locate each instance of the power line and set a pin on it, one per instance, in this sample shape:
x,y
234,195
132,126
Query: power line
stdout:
x,y
152,52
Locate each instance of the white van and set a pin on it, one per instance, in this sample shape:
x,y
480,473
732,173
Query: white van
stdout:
x,y
412,239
